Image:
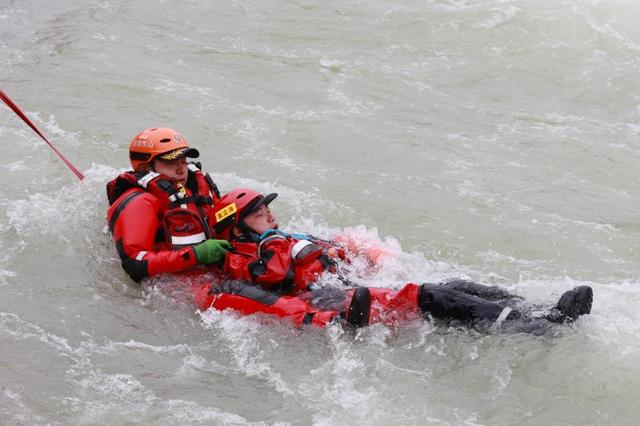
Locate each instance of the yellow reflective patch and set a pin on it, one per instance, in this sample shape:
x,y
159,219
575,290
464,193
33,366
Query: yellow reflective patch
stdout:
x,y
181,189
226,212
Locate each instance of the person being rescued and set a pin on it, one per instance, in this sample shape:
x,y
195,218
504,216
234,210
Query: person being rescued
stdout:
x,y
278,273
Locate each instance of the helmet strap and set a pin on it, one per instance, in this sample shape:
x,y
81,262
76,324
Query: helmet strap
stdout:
x,y
249,235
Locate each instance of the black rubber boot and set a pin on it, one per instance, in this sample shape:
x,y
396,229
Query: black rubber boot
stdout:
x,y
576,302
358,312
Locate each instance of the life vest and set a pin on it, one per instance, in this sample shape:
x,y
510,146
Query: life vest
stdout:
x,y
156,233
281,262
184,211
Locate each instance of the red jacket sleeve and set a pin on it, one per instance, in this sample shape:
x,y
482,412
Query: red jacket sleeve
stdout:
x,y
134,232
275,267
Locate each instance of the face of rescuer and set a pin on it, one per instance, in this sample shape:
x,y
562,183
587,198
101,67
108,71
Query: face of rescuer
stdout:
x,y
176,170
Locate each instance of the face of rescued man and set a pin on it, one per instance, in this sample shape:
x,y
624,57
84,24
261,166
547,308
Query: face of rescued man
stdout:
x,y
261,220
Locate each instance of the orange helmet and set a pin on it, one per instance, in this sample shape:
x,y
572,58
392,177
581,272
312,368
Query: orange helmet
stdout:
x,y
151,143
232,209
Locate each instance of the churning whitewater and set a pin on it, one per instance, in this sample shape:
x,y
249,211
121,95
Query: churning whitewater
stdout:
x,y
491,140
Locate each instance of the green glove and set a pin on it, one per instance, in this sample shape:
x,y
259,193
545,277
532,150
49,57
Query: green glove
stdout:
x,y
211,251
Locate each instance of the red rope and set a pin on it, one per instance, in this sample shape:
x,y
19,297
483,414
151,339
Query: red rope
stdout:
x,y
22,115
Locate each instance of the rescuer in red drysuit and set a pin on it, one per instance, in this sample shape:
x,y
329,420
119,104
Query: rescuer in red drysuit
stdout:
x,y
159,211
285,268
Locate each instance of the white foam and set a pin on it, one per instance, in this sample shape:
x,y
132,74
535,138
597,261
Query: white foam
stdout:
x,y
499,16
331,64
4,274
14,325
190,412
242,336
14,410
15,166
131,344
169,86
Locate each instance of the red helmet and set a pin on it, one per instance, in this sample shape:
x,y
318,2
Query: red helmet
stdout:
x,y
151,143
233,207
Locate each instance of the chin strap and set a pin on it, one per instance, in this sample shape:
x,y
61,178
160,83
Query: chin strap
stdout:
x,y
269,232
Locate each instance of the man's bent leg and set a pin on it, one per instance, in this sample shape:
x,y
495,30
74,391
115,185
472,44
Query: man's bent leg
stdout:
x,y
248,299
487,292
448,304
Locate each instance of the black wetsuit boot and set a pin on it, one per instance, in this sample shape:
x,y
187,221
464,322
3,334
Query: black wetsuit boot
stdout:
x,y
572,304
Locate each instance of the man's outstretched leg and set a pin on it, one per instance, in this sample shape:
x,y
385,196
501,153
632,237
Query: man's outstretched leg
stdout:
x,y
445,303
572,304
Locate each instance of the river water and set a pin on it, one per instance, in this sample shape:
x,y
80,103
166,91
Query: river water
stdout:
x,y
495,140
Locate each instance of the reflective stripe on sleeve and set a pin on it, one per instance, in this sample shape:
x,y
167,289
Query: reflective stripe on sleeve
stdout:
x,y
188,239
297,247
141,254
